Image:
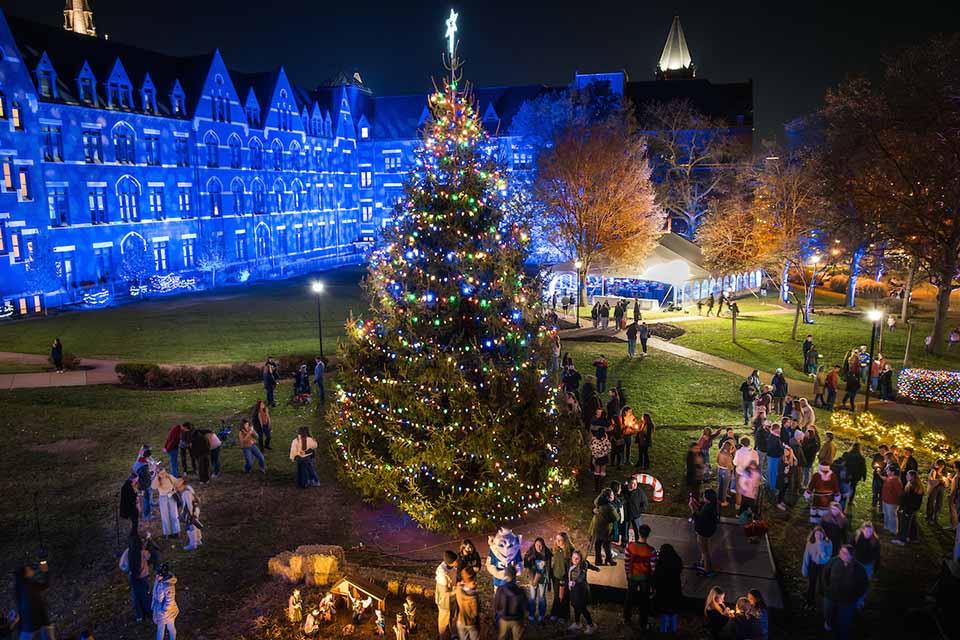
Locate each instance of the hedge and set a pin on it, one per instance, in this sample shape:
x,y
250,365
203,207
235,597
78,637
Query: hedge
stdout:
x,y
865,286
150,375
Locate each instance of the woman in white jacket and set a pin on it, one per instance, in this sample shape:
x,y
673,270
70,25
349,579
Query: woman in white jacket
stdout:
x,y
165,610
190,513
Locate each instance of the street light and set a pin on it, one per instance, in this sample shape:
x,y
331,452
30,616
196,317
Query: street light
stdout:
x,y
579,265
874,316
317,288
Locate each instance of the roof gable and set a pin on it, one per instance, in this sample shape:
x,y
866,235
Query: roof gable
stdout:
x,y
283,111
218,84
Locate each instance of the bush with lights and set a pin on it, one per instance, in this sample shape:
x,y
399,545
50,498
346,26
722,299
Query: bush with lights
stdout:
x,y
445,405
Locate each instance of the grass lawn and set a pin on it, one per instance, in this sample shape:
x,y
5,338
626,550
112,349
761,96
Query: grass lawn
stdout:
x,y
764,341
71,449
13,366
231,325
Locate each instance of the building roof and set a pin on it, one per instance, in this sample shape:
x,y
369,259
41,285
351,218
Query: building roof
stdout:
x,y
731,102
675,54
674,260
341,587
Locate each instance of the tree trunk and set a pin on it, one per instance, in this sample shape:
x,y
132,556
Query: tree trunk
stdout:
x,y
908,288
796,320
944,290
808,300
582,288
733,328
855,259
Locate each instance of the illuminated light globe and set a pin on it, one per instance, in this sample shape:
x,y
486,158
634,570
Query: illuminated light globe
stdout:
x,y
445,407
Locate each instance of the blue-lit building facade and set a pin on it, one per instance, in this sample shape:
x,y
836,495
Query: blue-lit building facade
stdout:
x,y
116,160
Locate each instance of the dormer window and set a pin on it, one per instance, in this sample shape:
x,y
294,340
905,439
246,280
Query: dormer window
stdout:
x,y
118,95
364,132
176,103
149,99
45,83
85,90
253,117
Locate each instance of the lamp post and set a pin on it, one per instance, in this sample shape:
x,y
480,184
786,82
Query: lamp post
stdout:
x,y
579,265
317,288
874,316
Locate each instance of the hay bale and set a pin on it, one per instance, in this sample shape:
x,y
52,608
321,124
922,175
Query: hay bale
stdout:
x,y
322,564
282,566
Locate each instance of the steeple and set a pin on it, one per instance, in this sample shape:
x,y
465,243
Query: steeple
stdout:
x,y
675,61
78,17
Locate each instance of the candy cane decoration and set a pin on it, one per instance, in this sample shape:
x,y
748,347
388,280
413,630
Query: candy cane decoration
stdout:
x,y
646,478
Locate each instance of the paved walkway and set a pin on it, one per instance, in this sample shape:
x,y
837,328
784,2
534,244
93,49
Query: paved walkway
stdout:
x,y
91,371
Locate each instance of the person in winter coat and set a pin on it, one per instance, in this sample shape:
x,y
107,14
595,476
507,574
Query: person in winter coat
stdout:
x,y
936,487
790,480
559,567
640,566
166,486
866,548
260,419
510,607
850,392
886,389
589,403
828,451
890,494
536,566
816,555
165,610
129,507
843,583
811,448
172,448
190,515
716,614
247,439
56,355
302,451
910,503
600,366
200,450
780,387
748,394
774,456
600,447
604,520
145,470
705,523
644,439
835,525
856,466
135,562
695,469
725,470
29,592
635,504
579,588
467,557
468,605
666,585
270,377
186,450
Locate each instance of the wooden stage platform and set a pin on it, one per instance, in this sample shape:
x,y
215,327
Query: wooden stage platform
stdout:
x,y
740,565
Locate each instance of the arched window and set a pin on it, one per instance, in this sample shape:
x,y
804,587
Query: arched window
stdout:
x,y
128,195
236,152
263,242
257,191
277,150
215,196
256,154
278,189
124,141
299,195
236,188
212,144
295,155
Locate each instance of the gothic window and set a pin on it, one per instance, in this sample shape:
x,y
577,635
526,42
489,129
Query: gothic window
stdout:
x,y
214,193
277,150
212,144
263,242
299,195
259,201
295,156
123,144
236,152
236,188
128,195
278,189
256,154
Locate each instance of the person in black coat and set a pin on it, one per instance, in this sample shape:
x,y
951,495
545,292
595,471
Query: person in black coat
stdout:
x,y
669,594
29,591
56,355
705,523
128,502
856,466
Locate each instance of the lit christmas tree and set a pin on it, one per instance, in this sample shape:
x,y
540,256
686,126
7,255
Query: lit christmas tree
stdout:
x,y
445,406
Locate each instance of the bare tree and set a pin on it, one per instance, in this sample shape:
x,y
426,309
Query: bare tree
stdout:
x,y
908,128
693,157
597,196
213,257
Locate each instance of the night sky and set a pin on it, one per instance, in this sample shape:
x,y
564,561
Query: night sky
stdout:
x,y
792,51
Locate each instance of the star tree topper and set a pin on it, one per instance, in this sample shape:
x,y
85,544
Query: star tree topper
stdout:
x,y
451,31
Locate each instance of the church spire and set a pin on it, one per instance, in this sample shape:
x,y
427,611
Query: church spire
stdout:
x,y
675,61
78,17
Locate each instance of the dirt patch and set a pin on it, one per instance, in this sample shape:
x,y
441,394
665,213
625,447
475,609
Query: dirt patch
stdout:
x,y
666,331
64,447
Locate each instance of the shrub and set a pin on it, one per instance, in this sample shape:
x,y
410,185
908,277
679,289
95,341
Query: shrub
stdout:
x,y
135,373
865,286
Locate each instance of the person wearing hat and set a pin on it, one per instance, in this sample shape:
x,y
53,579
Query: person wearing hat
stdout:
x,y
823,489
165,610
